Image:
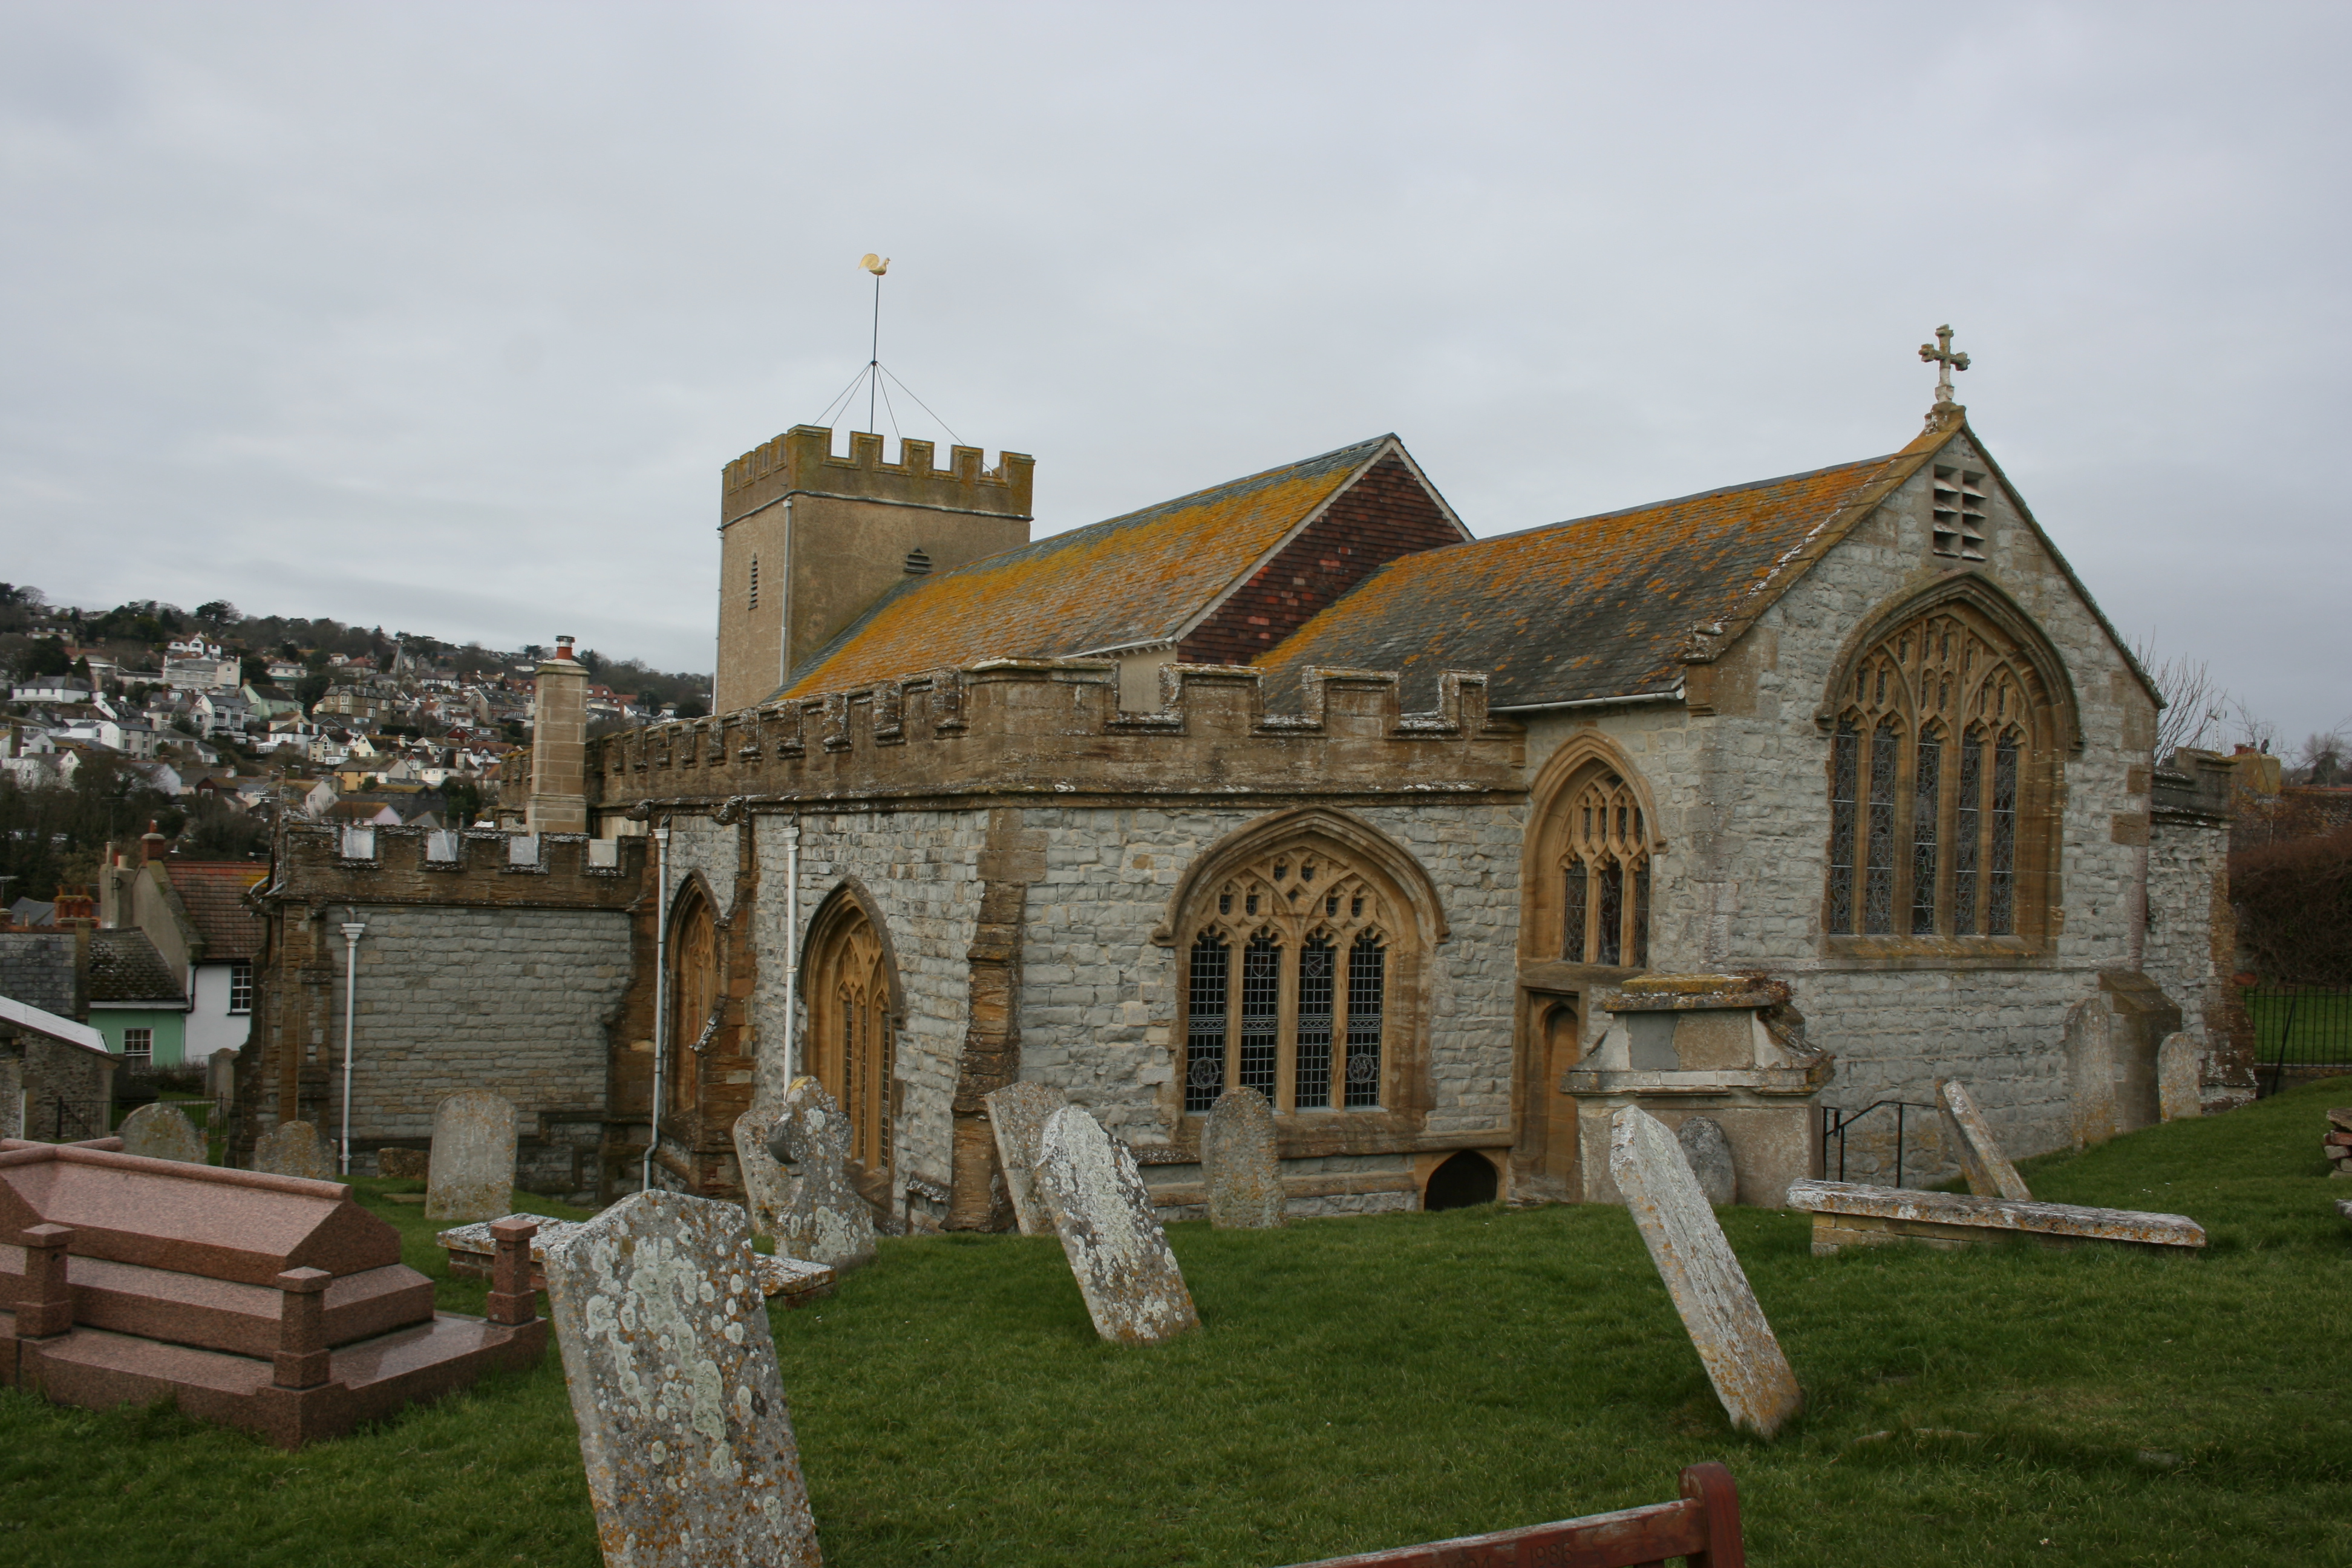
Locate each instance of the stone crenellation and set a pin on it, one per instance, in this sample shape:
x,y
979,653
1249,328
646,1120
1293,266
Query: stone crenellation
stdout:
x,y
802,458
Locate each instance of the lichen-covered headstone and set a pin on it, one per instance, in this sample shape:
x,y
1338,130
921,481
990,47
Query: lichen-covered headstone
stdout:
x,y
821,1218
1989,1173
161,1132
1016,1116
292,1149
471,1175
2179,1072
1134,1292
1736,1346
767,1186
1239,1164
1709,1153
672,1373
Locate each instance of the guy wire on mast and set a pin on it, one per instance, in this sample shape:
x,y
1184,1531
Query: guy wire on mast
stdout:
x,y
875,392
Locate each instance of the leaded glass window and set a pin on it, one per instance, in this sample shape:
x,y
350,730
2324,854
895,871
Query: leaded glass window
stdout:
x,y
1926,843
1602,921
1266,1006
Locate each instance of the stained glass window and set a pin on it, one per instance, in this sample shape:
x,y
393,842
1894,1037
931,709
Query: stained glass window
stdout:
x,y
1260,1015
1312,1090
1878,868
1366,1003
1967,823
1926,804
1845,771
1573,918
2002,883
1205,1044
1611,946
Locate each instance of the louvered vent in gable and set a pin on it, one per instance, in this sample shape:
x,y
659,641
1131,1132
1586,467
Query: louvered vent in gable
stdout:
x,y
1959,514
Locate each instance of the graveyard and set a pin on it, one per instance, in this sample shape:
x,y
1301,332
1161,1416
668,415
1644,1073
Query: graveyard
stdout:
x,y
1367,1382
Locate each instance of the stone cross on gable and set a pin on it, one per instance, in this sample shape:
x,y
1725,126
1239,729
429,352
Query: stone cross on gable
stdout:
x,y
1945,361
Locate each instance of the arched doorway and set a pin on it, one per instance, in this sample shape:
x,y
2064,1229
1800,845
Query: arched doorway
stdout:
x,y
851,1029
695,996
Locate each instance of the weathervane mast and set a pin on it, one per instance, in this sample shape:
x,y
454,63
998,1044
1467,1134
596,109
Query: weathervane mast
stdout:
x,y
877,265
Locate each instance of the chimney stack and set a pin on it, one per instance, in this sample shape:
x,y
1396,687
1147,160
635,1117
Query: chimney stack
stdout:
x,y
559,745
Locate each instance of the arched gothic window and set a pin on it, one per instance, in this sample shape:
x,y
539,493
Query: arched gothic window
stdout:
x,y
1603,866
1290,982
1943,758
851,1026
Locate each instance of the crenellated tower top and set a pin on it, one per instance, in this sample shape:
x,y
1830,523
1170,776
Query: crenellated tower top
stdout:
x,y
802,461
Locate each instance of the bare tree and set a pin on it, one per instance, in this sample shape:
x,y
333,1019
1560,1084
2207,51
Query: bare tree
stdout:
x,y
2320,760
2250,729
2195,709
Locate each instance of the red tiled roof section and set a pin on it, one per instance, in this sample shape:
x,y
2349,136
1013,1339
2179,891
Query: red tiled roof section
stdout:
x,y
1133,579
213,894
1387,513
1600,607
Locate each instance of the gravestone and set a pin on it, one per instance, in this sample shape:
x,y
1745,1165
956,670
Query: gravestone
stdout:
x,y
1736,1346
767,1186
292,1149
471,1175
1850,1214
161,1132
409,1164
1239,1164
1989,1173
2338,1143
1133,1289
2179,1074
1709,1153
672,1371
1016,1116
821,1217
220,1076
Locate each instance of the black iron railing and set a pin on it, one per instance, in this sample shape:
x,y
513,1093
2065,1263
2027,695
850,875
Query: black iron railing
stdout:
x,y
2298,1026
1835,1124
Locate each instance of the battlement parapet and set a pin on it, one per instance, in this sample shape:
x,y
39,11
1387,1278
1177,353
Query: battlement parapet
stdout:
x,y
801,460
478,865
1054,727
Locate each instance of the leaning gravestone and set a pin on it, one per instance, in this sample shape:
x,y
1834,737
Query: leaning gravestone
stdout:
x,y
1016,1116
161,1132
1989,1173
1239,1164
1134,1292
1709,1153
2179,1094
471,1175
821,1217
1742,1358
292,1149
767,1185
672,1371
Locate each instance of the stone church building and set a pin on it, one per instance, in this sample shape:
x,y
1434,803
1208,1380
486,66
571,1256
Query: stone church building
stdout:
x,y
1772,803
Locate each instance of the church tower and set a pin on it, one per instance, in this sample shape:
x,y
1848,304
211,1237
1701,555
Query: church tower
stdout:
x,y
808,540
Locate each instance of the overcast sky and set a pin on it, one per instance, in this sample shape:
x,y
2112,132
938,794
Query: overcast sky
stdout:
x,y
445,317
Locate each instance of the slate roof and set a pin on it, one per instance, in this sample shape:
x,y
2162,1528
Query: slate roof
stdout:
x,y
1598,607
124,967
1140,578
213,892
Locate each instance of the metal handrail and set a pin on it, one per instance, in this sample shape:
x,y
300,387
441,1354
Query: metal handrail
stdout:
x,y
1834,1123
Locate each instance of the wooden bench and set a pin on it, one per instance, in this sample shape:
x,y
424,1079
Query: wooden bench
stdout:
x,y
1702,1529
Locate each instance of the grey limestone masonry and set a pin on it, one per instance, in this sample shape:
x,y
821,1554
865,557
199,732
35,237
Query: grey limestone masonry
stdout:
x,y
516,1001
1741,800
37,968
919,871
697,844
2184,860
1099,998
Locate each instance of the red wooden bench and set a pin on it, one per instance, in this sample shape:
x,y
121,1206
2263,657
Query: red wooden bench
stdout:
x,y
1703,1530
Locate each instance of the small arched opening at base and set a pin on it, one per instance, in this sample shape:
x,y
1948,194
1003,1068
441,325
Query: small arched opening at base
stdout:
x,y
1464,1182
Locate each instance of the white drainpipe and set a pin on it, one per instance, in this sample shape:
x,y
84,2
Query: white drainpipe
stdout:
x,y
661,994
793,1068
352,931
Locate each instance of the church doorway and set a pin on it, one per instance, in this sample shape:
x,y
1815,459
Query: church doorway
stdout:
x,y
1463,1182
851,1029
693,995
1562,1042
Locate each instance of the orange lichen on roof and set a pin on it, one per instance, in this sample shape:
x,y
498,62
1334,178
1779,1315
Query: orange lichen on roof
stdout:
x,y
1136,579
1599,606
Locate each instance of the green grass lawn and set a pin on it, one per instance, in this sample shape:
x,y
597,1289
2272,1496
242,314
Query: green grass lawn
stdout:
x,y
1374,1382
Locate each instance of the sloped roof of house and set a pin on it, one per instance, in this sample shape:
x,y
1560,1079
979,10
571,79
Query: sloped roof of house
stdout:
x,y
1136,579
126,970
1597,606
213,892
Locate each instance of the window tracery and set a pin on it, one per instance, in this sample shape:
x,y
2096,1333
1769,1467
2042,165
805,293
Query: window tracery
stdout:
x,y
1286,985
1604,865
1924,843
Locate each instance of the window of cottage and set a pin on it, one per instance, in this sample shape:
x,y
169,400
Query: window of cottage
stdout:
x,y
1927,830
1286,987
1959,512
240,988
1605,872
138,1044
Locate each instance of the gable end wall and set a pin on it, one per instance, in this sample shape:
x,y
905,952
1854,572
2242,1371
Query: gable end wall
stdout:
x,y
1385,514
